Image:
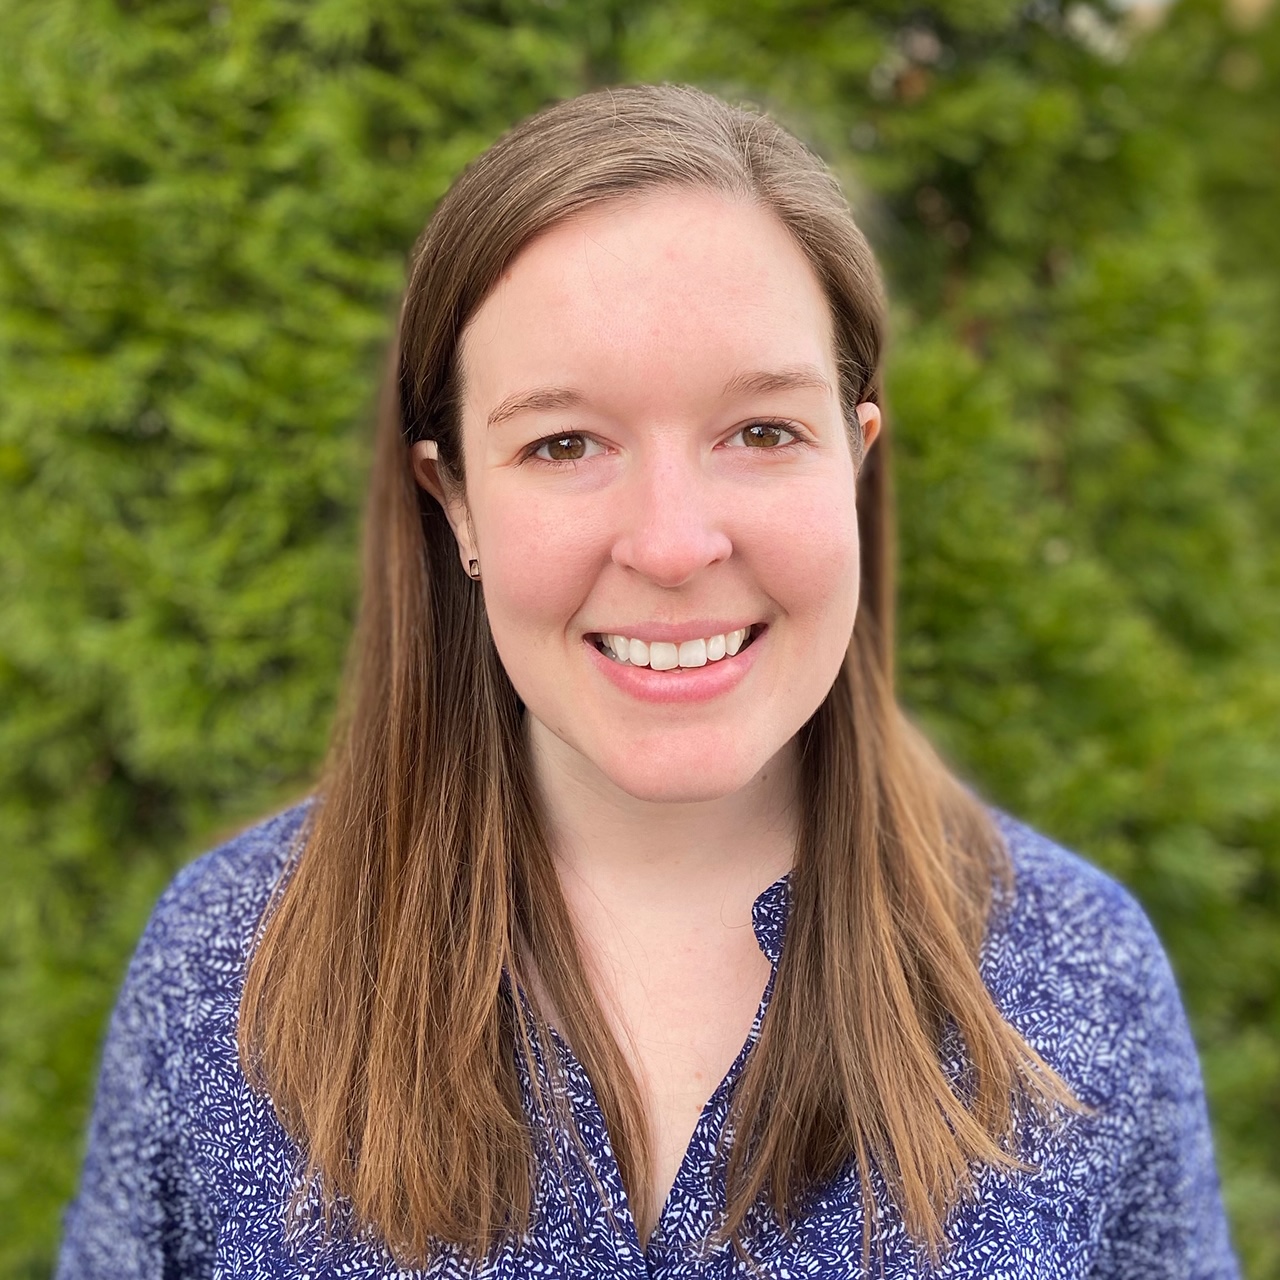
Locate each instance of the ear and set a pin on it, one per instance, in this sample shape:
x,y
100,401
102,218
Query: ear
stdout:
x,y
426,471
869,419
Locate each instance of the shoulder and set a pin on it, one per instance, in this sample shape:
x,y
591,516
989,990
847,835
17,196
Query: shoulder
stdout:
x,y
1072,960
1063,904
203,925
232,882
171,1103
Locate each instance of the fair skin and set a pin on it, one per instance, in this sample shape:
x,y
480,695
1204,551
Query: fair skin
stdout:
x,y
654,449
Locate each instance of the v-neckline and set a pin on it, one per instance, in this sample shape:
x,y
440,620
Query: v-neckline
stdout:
x,y
769,914
584,1095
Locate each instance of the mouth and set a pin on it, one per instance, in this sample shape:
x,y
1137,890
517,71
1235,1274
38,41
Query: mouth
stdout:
x,y
687,655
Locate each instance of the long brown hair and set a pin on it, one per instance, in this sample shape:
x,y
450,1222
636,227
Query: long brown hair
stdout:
x,y
377,1011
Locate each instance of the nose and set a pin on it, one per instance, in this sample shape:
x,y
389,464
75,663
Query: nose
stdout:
x,y
668,526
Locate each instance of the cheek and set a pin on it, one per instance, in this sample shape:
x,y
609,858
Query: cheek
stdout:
x,y
804,548
538,563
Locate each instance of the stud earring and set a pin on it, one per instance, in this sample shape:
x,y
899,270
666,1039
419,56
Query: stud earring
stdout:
x,y
473,570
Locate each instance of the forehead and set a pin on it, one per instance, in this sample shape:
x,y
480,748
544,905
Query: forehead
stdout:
x,y
672,290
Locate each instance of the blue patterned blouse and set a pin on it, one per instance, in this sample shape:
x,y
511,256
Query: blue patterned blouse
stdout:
x,y
189,1174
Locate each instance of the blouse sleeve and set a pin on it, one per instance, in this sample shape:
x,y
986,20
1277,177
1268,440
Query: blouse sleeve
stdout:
x,y
135,1214
1165,1217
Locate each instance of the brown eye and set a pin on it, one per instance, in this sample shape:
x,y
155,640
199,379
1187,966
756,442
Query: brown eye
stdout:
x,y
564,448
765,435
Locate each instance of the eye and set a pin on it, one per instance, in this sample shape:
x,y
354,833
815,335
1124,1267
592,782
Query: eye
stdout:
x,y
572,446
764,435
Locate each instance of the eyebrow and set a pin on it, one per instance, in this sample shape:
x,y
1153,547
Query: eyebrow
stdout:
x,y
540,399
754,382
797,377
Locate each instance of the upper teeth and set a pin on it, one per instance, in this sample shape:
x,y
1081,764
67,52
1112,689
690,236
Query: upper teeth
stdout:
x,y
664,656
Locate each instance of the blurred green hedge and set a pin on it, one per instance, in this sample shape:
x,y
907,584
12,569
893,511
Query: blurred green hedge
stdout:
x,y
204,215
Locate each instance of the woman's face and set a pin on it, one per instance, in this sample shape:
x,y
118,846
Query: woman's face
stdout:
x,y
660,491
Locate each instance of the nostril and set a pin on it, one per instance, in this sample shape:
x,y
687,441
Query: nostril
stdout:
x,y
668,559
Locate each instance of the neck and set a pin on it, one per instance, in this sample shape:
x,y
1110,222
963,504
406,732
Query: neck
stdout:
x,y
647,856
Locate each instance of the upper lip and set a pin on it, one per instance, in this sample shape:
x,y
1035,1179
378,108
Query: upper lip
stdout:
x,y
673,632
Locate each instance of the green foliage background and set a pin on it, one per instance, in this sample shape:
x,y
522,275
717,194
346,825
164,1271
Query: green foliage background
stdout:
x,y
204,216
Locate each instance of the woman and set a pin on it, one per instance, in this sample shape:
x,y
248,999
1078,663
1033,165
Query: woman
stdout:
x,y
632,930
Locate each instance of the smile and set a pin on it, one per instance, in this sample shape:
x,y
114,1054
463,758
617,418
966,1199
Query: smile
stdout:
x,y
662,655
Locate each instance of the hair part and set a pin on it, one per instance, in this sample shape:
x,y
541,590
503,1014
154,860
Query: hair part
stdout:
x,y
384,1009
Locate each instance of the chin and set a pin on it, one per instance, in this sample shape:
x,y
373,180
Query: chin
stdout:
x,y
680,777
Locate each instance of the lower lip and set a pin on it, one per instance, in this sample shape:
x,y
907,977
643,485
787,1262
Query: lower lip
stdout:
x,y
681,684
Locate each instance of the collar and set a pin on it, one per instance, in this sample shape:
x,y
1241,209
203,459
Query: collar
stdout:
x,y
769,915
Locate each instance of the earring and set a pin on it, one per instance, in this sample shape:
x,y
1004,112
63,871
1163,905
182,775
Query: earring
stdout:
x,y
473,570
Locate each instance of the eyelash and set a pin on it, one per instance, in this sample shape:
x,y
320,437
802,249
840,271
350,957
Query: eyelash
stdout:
x,y
531,452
